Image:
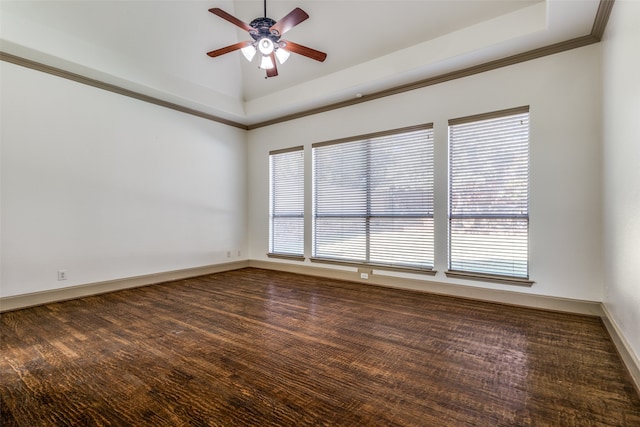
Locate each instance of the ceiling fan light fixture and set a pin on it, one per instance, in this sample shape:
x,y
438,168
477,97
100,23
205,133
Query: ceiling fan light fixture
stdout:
x,y
249,52
265,46
282,55
266,63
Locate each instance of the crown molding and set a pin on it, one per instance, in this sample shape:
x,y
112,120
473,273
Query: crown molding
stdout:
x,y
453,75
601,19
38,66
595,36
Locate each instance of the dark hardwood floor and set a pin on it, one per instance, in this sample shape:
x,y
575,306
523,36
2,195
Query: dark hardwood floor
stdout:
x,y
255,347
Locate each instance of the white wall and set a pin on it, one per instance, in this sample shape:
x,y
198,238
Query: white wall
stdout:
x,y
563,91
108,187
621,135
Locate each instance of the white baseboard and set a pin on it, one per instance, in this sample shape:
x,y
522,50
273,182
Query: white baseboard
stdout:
x,y
628,356
593,308
72,292
471,292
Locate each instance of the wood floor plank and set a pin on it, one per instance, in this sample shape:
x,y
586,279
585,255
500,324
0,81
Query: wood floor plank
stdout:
x,y
256,347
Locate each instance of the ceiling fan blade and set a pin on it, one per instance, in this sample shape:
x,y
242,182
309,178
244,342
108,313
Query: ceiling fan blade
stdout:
x,y
235,21
228,49
294,17
272,72
303,50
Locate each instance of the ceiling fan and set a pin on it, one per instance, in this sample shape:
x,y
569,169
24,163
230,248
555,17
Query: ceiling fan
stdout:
x,y
266,34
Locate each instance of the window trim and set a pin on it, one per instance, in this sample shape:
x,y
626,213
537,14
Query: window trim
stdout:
x,y
291,257
494,278
490,115
376,266
379,134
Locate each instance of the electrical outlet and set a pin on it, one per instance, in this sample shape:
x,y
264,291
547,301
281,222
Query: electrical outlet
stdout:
x,y
239,252
228,254
62,274
365,272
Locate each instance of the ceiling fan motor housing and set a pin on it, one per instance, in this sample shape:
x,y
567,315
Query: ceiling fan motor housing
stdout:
x,y
261,30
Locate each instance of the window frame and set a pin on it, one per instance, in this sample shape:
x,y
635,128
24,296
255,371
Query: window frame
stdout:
x,y
368,216
487,216
273,215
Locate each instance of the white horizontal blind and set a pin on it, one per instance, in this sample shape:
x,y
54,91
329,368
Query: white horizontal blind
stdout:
x,y
489,194
286,213
373,199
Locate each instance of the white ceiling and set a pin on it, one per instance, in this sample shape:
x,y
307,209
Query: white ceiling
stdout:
x,y
158,48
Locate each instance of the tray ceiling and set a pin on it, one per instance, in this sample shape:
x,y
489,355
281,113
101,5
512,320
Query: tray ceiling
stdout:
x,y
158,48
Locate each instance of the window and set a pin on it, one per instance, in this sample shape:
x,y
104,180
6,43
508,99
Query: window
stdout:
x,y
489,193
373,199
286,207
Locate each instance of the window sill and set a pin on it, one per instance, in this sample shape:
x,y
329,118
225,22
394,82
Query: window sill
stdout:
x,y
287,256
374,266
495,278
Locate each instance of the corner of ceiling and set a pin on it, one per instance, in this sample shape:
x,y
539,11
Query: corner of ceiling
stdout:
x,y
41,44
422,60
